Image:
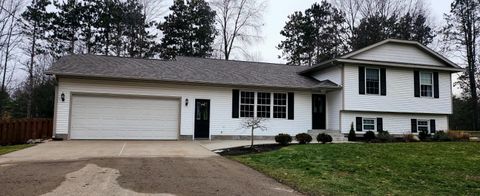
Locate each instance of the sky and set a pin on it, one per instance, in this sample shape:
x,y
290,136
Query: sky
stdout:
x,y
278,10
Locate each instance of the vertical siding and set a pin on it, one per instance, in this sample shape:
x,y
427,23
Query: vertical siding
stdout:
x,y
402,53
400,93
221,122
394,123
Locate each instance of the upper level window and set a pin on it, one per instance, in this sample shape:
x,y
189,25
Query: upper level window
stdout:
x,y
426,84
263,105
247,104
279,105
372,78
369,124
422,125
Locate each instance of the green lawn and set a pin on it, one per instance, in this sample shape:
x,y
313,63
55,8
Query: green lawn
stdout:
x,y
451,168
9,149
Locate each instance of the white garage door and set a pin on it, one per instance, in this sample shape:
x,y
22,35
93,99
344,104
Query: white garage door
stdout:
x,y
104,117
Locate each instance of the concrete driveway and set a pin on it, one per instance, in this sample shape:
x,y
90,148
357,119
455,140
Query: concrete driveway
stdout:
x,y
129,168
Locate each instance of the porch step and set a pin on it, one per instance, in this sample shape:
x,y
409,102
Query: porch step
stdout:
x,y
336,135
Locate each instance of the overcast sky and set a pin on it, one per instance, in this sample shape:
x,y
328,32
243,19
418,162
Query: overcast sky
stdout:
x,y
278,11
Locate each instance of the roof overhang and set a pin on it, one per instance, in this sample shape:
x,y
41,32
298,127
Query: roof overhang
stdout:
x,y
199,83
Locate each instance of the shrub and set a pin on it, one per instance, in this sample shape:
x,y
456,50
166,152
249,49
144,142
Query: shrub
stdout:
x,y
424,136
303,138
352,136
410,138
283,139
458,136
369,136
440,136
324,138
384,136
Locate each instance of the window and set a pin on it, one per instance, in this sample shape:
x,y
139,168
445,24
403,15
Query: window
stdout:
x,y
372,78
279,105
422,125
263,105
247,104
426,84
369,124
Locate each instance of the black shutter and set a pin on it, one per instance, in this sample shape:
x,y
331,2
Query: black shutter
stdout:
x,y
432,126
416,83
414,125
436,92
379,124
291,101
361,80
383,81
235,102
359,124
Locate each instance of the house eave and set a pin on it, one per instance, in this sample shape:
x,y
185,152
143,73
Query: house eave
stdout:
x,y
402,65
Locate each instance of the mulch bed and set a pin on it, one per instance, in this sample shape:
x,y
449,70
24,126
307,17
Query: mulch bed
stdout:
x,y
243,150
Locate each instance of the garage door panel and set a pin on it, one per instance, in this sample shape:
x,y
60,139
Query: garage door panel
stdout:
x,y
95,117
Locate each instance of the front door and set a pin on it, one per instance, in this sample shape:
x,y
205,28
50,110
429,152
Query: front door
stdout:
x,y
318,111
202,118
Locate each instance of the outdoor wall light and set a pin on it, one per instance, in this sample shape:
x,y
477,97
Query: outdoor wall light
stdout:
x,y
186,102
62,96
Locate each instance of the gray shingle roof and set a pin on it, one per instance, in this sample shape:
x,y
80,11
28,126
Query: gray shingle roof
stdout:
x,y
189,70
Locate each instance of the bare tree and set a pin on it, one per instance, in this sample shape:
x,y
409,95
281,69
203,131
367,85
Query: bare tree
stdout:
x,y
9,13
461,34
254,123
238,21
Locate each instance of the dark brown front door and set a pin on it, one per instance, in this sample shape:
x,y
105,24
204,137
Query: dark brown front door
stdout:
x,y
318,111
202,118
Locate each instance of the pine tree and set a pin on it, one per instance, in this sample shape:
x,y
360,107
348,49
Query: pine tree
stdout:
x,y
314,36
189,30
67,27
38,23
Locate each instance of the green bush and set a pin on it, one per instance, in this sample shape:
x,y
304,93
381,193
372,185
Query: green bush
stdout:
x,y
369,136
324,138
424,136
441,136
384,136
283,139
352,136
303,138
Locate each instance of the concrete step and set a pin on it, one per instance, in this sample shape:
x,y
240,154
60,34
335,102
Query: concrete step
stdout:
x,y
336,135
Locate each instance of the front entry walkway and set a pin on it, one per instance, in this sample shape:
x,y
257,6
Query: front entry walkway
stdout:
x,y
129,168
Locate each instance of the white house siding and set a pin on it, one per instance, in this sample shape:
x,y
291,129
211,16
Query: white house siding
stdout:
x,y
393,123
334,105
333,74
400,94
221,121
401,53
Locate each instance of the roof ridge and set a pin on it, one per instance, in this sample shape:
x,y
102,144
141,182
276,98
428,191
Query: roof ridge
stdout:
x,y
205,58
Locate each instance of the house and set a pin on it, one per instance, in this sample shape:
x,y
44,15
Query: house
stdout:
x,y
395,85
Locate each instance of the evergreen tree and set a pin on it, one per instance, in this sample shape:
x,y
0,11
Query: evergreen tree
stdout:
x,y
377,28
314,36
189,30
139,42
373,29
67,27
38,24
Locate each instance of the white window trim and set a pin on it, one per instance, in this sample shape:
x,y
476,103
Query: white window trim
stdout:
x,y
286,105
428,125
420,83
374,124
379,81
255,103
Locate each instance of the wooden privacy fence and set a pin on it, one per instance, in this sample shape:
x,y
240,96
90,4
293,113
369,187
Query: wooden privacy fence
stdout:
x,y
19,131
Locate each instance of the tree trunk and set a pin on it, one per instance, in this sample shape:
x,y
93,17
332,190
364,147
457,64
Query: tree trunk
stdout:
x,y
30,71
251,145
